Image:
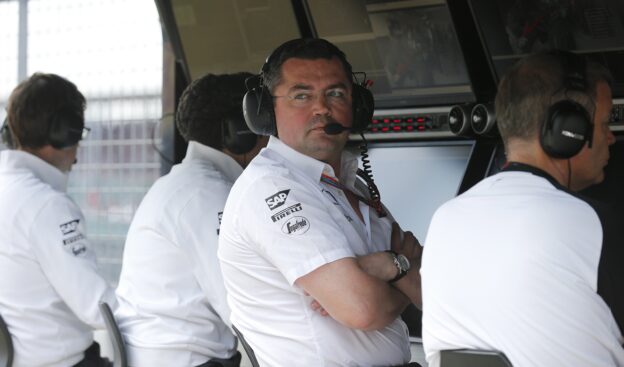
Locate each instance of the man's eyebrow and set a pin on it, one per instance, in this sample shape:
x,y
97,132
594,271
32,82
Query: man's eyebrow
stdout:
x,y
300,87
337,85
309,87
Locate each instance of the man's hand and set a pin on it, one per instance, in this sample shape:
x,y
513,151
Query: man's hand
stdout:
x,y
409,246
405,243
381,266
316,306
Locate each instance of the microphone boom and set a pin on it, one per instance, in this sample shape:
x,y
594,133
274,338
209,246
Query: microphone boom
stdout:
x,y
334,128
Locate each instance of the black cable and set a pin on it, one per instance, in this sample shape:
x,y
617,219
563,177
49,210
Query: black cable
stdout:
x,y
366,174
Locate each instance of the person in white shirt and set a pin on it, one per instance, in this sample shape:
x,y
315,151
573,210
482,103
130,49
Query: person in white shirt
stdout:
x,y
49,284
173,309
300,229
520,263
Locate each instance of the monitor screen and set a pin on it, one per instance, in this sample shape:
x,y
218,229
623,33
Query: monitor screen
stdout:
x,y
407,48
513,29
414,179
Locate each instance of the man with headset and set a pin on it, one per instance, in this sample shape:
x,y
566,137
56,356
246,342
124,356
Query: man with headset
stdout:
x,y
300,229
173,309
529,267
49,285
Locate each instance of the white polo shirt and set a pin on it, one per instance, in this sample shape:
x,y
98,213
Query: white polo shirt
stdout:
x,y
279,224
512,265
49,285
172,305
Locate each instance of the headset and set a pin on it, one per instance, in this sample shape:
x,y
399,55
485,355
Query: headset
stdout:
x,y
568,125
66,128
235,135
6,135
258,102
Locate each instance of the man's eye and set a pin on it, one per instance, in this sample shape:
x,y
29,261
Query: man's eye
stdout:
x,y
335,93
301,97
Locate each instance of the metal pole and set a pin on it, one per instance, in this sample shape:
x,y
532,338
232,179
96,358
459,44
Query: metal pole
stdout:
x,y
22,45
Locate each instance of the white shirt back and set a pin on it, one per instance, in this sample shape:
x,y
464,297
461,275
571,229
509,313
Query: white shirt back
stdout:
x,y
49,285
173,309
511,265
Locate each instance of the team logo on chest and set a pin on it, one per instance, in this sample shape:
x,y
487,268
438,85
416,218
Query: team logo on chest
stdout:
x,y
278,199
296,225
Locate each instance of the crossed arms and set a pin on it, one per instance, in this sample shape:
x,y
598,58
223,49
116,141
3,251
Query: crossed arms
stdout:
x,y
356,292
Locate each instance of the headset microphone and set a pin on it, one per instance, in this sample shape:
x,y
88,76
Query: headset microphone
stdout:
x,y
334,128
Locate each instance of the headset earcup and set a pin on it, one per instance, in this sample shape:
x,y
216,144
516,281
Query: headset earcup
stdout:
x,y
363,108
65,129
566,130
6,136
236,135
258,111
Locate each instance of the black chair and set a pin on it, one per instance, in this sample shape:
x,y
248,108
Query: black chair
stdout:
x,y
248,349
473,358
6,345
119,351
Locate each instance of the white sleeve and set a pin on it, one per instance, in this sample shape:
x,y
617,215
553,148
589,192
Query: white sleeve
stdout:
x,y
290,225
59,241
198,226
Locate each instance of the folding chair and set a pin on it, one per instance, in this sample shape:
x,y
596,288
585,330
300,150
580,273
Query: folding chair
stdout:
x,y
119,351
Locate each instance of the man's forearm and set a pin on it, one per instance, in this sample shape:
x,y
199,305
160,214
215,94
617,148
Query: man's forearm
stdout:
x,y
353,297
387,302
378,265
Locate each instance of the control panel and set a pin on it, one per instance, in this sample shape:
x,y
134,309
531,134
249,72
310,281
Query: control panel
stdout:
x,y
416,123
617,115
448,122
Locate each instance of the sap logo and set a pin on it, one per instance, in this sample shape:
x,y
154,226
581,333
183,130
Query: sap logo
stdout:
x,y
286,212
69,227
296,225
277,200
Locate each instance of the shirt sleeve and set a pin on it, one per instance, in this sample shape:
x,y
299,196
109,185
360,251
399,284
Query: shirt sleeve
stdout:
x,y
290,224
59,239
198,224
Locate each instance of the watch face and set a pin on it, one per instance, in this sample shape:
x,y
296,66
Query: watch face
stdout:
x,y
403,262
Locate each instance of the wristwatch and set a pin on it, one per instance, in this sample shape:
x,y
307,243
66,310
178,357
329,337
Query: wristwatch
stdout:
x,y
402,263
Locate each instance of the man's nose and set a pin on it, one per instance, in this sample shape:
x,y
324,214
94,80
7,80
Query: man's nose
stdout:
x,y
321,105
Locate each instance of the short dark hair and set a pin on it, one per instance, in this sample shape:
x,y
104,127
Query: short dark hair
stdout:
x,y
302,48
533,84
36,102
206,102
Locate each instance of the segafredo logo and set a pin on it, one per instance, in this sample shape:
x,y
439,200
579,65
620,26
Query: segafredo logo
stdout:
x,y
277,200
296,225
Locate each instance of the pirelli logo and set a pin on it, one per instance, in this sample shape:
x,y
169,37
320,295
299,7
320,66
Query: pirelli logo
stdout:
x,y
286,212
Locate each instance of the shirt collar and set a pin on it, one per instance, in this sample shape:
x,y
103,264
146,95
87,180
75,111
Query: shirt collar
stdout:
x,y
222,162
314,168
44,171
523,167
